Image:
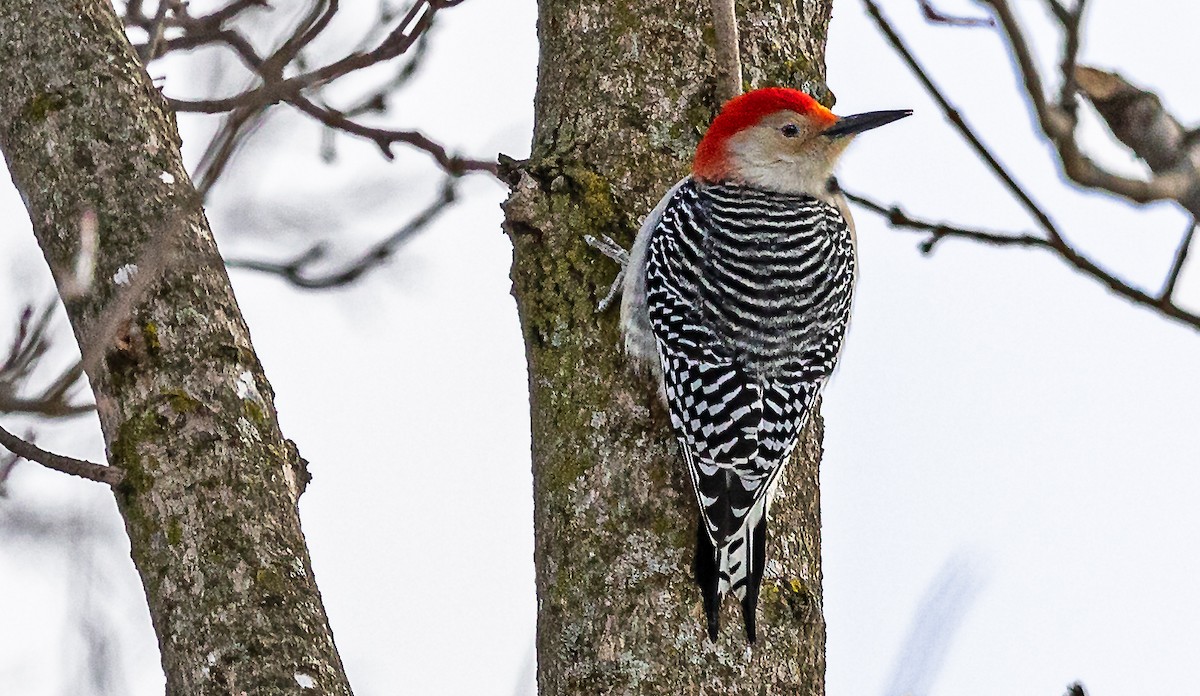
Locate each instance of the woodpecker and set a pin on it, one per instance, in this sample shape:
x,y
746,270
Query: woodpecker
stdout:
x,y
737,294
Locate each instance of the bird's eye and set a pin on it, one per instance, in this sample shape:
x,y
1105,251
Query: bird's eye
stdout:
x,y
790,130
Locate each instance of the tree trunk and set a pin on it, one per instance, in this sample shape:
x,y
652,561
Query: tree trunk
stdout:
x,y
210,490
624,91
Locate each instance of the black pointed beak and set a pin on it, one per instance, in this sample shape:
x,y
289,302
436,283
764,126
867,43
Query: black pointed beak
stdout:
x,y
853,125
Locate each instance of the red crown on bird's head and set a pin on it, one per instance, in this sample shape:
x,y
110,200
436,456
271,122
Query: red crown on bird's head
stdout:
x,y
746,110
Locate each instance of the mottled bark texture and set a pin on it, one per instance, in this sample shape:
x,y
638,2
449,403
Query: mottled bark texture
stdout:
x,y
210,489
625,90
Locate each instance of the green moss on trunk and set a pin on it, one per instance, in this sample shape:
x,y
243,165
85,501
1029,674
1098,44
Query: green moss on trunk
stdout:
x,y
624,93
210,488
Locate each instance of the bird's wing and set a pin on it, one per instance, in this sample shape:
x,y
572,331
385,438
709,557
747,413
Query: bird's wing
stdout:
x,y
736,428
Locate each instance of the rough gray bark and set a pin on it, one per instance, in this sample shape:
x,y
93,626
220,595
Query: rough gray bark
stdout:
x,y
624,91
210,487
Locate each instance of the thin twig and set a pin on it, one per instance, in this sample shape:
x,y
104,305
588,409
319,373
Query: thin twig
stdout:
x,y
58,462
936,16
729,61
29,346
376,100
897,218
248,107
7,463
1059,10
1053,123
297,271
384,139
1058,125
417,20
309,28
1071,26
149,50
233,9
236,128
1073,257
1181,255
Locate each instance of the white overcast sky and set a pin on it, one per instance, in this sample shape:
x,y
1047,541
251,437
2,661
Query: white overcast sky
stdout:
x,y
1000,427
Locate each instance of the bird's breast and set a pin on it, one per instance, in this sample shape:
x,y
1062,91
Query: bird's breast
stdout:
x,y
776,276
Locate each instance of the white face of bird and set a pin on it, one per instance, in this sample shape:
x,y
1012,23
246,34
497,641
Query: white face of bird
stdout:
x,y
786,152
779,139
791,152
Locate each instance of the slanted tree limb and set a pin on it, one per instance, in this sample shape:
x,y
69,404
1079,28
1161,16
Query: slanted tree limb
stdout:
x,y
210,484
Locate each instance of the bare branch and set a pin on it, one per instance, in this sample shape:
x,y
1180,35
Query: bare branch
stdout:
x,y
1053,122
960,124
1072,256
1181,254
1058,122
416,21
729,61
297,271
384,138
1135,116
247,108
233,9
57,462
1071,21
1138,119
309,28
936,16
236,128
149,51
135,15
29,346
7,463
376,100
1059,10
938,617
897,218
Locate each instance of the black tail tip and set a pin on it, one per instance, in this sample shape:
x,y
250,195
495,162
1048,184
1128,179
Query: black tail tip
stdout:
x,y
748,615
705,568
754,584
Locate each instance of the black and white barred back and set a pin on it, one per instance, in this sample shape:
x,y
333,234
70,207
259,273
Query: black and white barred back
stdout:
x,y
748,294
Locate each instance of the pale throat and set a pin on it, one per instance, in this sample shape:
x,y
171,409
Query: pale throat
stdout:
x,y
804,171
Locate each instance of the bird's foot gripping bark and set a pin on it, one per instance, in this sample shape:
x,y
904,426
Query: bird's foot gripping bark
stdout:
x,y
605,245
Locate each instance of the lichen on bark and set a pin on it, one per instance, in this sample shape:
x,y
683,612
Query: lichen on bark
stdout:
x,y
624,92
210,488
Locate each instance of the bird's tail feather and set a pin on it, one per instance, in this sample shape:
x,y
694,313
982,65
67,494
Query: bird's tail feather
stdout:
x,y
736,566
704,567
757,546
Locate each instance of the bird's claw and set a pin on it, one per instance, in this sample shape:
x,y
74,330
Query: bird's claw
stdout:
x,y
605,245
